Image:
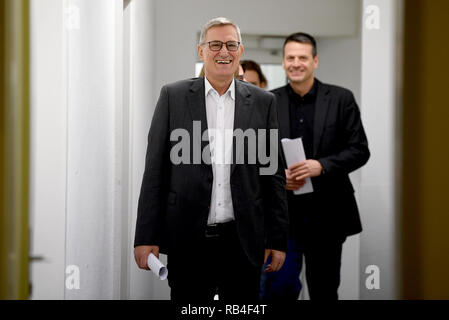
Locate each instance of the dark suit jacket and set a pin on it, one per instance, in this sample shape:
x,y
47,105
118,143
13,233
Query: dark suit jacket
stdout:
x,y
174,199
341,146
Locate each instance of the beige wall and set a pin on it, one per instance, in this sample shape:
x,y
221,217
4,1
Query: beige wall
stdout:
x,y
425,183
14,126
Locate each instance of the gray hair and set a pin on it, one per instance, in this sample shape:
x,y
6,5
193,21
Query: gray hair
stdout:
x,y
218,22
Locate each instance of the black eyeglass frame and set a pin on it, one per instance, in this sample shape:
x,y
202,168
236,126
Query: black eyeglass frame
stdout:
x,y
227,43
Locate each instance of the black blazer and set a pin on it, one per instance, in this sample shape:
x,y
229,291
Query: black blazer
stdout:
x,y
341,146
174,199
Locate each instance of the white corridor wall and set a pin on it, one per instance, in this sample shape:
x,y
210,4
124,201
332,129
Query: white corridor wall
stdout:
x,y
94,157
379,245
91,106
48,154
79,217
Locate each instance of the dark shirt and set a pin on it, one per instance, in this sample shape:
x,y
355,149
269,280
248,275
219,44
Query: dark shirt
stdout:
x,y
302,112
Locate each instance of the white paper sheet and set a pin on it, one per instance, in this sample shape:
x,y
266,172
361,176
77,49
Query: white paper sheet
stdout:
x,y
294,153
157,267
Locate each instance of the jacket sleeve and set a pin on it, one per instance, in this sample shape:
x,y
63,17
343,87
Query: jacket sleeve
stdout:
x,y
153,193
274,193
354,153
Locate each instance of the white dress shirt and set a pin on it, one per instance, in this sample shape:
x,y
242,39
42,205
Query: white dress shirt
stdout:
x,y
220,123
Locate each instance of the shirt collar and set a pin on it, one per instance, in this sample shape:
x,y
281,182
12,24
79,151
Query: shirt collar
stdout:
x,y
309,95
230,91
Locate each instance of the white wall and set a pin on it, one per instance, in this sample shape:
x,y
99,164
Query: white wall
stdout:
x,y
94,102
77,142
48,141
379,109
91,90
142,285
340,61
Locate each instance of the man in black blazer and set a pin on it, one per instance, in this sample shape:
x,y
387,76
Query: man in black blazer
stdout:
x,y
216,220
328,120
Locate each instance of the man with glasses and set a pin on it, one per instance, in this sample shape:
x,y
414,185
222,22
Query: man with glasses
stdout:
x,y
216,220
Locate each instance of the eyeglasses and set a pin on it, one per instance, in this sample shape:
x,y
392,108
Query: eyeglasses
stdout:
x,y
216,45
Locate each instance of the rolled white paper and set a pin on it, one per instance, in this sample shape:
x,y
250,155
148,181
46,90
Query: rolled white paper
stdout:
x,y
157,267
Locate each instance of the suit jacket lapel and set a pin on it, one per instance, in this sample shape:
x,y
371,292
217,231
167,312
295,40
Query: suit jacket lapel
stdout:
x,y
242,115
197,102
321,108
197,105
284,113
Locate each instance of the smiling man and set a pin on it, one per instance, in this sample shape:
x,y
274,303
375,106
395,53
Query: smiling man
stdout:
x,y
216,220
327,119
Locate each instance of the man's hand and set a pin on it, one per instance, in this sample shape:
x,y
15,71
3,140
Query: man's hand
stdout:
x,y
305,169
292,184
277,259
141,254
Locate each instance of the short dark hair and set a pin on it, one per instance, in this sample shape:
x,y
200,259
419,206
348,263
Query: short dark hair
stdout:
x,y
253,65
301,37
